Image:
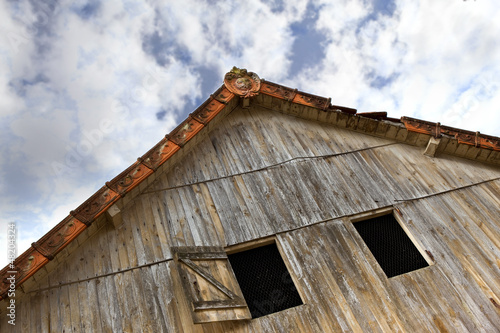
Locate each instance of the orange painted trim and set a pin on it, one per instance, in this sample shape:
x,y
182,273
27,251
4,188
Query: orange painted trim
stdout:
x,y
418,126
61,235
130,178
295,96
208,110
185,131
478,141
312,100
95,205
465,137
23,268
278,91
223,95
160,153
40,253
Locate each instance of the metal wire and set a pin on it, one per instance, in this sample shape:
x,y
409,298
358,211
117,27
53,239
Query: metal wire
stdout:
x,y
390,245
264,280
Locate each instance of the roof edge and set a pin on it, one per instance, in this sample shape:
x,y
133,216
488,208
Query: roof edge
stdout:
x,y
54,241
81,218
475,139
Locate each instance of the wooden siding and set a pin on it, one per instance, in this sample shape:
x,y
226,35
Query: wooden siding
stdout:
x,y
261,173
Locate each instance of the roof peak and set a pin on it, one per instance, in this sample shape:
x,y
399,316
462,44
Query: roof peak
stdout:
x,y
246,85
242,83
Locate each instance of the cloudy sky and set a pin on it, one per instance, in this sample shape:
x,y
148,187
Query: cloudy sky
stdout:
x,y
87,86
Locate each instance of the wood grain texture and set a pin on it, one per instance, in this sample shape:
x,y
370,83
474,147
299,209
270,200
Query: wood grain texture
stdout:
x,y
260,173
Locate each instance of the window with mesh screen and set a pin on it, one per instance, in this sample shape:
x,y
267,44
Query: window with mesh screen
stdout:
x,y
390,245
264,280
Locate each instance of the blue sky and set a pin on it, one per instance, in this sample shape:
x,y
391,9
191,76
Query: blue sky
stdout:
x,y
87,86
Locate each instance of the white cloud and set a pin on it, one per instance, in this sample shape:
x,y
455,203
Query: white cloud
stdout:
x,y
14,44
220,35
425,60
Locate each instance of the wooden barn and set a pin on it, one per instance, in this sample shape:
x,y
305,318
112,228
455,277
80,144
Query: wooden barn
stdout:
x,y
272,210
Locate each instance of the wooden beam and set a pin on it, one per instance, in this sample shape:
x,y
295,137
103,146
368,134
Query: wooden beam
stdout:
x,y
432,146
114,216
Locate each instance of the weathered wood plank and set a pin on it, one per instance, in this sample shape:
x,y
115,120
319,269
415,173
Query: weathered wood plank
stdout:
x,y
342,286
176,217
106,298
483,316
223,207
168,305
332,308
161,225
304,197
257,209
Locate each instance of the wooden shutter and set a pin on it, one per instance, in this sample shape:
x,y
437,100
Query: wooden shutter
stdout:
x,y
210,286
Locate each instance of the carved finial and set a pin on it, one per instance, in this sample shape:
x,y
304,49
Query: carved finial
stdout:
x,y
242,83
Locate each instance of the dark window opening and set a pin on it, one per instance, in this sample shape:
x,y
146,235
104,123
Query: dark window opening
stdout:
x,y
264,280
390,245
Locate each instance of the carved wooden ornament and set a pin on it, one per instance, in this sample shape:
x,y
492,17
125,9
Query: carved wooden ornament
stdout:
x,y
242,83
